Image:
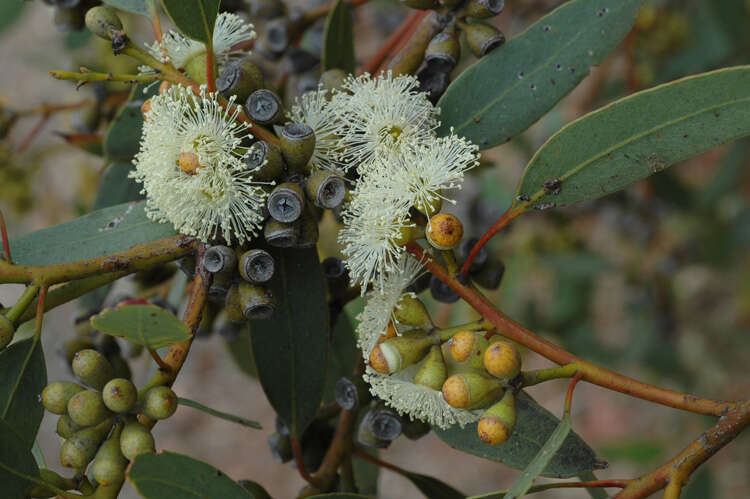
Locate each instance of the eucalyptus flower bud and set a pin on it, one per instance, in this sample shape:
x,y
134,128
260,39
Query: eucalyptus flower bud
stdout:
x,y
240,79
92,368
490,276
280,234
483,38
264,107
119,395
432,373
468,348
443,51
444,231
66,427
333,79
483,9
411,311
7,330
502,360
326,189
87,408
55,396
195,67
471,390
104,22
389,333
442,292
402,351
257,266
160,402
281,447
219,259
109,463
52,478
80,448
297,143
286,202
266,160
136,439
497,423
385,424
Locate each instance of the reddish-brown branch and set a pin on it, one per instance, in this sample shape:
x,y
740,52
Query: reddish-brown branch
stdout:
x,y
499,225
6,242
298,459
590,372
569,394
389,45
210,76
43,119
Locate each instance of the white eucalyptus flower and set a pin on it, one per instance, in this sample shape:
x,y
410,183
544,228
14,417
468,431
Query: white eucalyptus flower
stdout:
x,y
379,116
313,109
191,166
178,49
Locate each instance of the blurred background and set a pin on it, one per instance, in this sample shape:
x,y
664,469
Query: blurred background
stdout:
x,y
653,281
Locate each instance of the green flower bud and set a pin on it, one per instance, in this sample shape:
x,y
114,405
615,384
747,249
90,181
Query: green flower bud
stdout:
x,y
54,479
497,423
7,330
468,347
119,395
297,143
483,38
471,390
92,368
78,450
68,349
104,22
87,408
280,234
411,311
333,79
286,201
195,67
135,440
432,372
66,427
482,9
160,402
280,446
444,50
109,463
257,266
402,351
264,107
326,189
265,160
55,396
240,78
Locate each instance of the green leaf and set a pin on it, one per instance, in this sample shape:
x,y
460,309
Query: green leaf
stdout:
x,y
534,425
148,325
141,7
168,474
36,451
99,233
256,490
195,18
637,136
343,351
122,141
291,347
338,40
515,85
16,463
23,376
10,11
537,465
221,415
433,488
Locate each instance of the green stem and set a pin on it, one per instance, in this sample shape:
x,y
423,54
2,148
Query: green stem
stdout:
x,y
23,303
85,77
477,325
531,378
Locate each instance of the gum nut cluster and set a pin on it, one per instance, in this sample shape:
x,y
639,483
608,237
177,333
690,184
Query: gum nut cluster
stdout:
x,y
443,382
97,417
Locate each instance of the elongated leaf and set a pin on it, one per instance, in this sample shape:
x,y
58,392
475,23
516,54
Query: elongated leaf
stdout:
x,y
534,425
541,460
23,376
343,351
195,18
338,40
256,490
291,347
148,325
124,134
637,136
16,463
159,476
99,233
515,85
142,7
221,415
36,451
432,488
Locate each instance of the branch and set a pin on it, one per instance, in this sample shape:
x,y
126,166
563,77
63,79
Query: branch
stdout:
x,y
590,372
410,57
501,222
390,44
87,76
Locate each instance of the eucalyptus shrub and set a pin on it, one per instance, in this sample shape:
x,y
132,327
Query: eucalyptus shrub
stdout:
x,y
223,177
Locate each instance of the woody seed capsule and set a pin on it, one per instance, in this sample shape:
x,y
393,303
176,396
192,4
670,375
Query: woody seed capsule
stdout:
x,y
280,234
297,143
219,259
264,107
285,202
265,159
256,266
443,52
326,189
482,9
483,38
240,79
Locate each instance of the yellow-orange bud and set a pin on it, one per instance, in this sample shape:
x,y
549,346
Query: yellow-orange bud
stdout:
x,y
189,162
502,360
398,353
497,423
444,231
146,107
389,333
468,347
470,390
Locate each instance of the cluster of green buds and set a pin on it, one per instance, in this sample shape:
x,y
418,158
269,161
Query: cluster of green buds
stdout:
x,y
104,421
86,337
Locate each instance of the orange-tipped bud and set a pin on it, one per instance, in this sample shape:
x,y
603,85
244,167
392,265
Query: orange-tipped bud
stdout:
x,y
470,390
398,353
502,360
444,231
389,333
497,422
468,347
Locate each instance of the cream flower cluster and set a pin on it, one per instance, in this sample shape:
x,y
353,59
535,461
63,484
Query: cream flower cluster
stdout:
x,y
220,196
398,389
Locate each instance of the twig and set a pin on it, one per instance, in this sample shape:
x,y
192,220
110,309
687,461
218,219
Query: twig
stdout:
x,y
43,119
298,459
6,241
388,46
408,58
87,76
499,225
